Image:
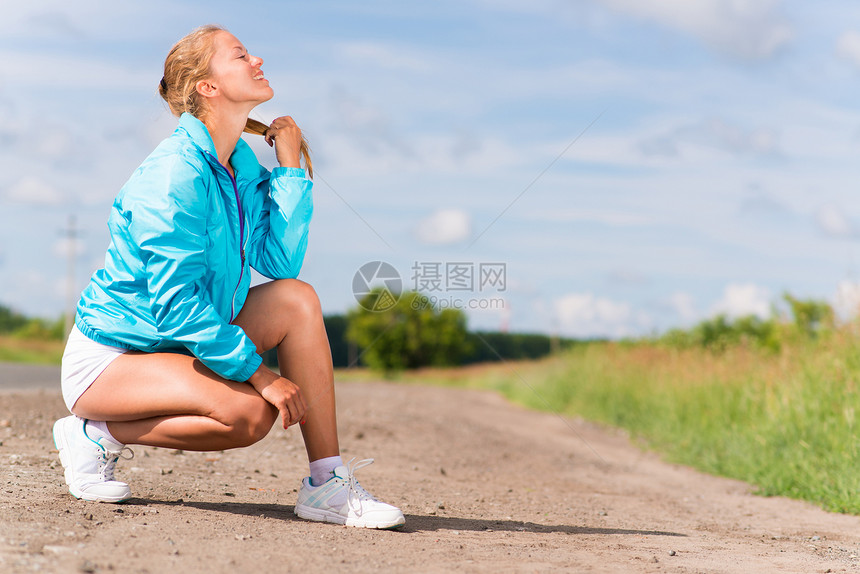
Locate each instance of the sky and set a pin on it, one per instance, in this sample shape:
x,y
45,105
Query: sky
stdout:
x,y
624,167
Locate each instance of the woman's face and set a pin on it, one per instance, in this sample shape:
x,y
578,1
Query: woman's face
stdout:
x,y
235,73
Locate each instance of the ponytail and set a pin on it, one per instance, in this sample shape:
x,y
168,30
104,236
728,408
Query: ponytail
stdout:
x,y
260,129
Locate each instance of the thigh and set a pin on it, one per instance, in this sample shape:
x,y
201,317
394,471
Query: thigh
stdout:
x,y
143,385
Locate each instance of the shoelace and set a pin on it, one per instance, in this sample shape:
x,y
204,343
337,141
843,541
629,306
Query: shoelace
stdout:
x,y
111,457
356,492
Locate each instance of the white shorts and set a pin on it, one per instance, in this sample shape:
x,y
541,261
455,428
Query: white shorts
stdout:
x,y
83,361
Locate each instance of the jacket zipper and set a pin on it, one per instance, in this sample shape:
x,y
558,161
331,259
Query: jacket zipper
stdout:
x,y
241,246
241,238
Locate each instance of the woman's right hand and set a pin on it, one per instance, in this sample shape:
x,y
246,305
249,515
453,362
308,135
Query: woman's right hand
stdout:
x,y
287,139
282,393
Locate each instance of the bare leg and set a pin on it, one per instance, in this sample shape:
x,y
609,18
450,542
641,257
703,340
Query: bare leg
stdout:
x,y
286,314
171,400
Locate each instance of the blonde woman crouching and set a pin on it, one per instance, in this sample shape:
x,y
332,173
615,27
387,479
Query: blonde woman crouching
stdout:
x,y
166,347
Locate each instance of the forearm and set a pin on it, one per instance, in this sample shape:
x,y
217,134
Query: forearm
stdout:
x,y
262,377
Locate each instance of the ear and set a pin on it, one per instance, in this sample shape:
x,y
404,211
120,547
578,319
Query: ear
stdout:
x,y
206,89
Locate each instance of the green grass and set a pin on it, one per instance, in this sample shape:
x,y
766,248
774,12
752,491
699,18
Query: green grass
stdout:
x,y
16,350
784,422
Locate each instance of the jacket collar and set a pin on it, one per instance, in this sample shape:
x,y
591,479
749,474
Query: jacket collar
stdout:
x,y
243,160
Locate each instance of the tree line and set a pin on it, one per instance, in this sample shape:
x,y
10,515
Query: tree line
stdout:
x,y
412,333
17,325
407,336
796,320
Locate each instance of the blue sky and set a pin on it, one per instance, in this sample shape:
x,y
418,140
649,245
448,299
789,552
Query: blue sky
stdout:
x,y
719,169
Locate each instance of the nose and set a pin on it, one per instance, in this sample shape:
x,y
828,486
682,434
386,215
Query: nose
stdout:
x,y
256,61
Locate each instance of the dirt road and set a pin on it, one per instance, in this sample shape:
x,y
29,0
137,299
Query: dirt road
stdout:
x,y
486,487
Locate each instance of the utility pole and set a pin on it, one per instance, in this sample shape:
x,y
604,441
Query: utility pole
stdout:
x,y
71,233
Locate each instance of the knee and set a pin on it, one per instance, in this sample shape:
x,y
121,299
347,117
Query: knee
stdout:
x,y
300,298
250,422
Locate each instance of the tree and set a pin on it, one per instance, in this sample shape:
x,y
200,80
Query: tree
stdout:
x,y
10,320
719,333
810,317
409,335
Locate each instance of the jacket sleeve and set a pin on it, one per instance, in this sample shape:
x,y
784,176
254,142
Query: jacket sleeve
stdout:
x,y
280,236
170,230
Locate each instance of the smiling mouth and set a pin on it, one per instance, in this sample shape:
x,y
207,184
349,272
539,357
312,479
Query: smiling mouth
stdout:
x,y
259,76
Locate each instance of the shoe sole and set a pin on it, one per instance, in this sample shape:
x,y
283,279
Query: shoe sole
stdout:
x,y
319,515
63,449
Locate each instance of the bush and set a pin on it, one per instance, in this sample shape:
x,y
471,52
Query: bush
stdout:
x,y
10,321
409,335
804,320
41,329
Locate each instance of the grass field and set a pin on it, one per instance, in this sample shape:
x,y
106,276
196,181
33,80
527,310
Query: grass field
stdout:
x,y
16,350
785,422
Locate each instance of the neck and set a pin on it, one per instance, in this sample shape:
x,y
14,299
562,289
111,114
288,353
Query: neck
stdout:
x,y
225,129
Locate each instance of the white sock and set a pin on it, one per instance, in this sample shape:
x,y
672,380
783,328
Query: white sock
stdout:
x,y
102,427
323,469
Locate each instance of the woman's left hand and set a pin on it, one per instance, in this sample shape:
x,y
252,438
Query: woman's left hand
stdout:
x,y
286,136
282,393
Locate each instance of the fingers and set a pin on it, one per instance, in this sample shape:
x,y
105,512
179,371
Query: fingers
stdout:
x,y
294,407
284,127
285,136
283,123
290,415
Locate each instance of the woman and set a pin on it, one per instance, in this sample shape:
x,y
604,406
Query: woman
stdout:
x,y
168,335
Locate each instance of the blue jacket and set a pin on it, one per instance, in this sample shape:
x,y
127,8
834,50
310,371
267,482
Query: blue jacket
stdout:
x,y
183,235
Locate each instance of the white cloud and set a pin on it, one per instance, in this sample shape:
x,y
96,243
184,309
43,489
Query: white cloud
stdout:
x,y
369,153
34,191
585,315
714,133
65,71
846,302
832,221
683,305
749,29
848,47
85,19
606,216
740,300
56,143
444,226
384,56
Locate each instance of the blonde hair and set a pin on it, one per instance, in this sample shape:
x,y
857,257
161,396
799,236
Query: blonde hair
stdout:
x,y
260,129
188,63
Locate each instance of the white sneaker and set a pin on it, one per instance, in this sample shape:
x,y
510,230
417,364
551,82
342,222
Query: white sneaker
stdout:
x,y
89,463
342,500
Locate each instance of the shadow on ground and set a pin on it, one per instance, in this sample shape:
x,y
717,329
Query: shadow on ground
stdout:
x,y
414,522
